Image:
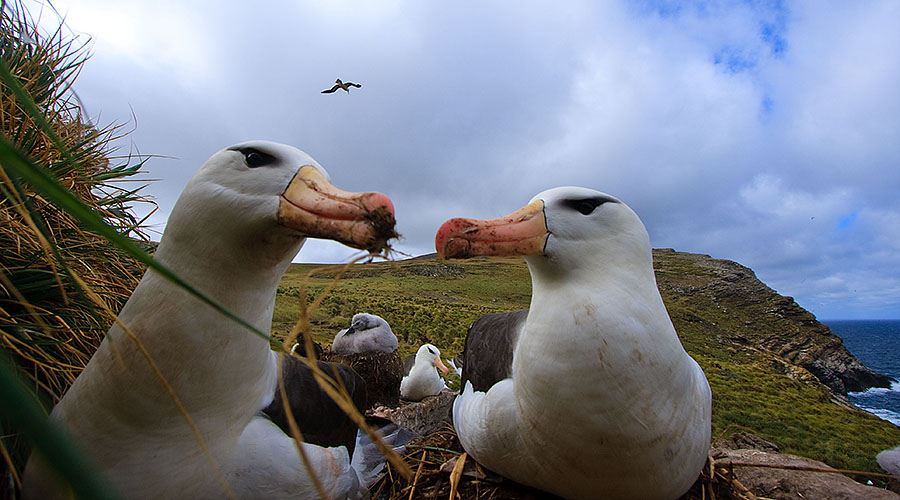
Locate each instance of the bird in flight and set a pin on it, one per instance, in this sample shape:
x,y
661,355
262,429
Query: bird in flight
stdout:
x,y
341,85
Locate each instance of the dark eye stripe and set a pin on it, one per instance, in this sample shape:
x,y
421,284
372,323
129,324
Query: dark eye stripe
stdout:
x,y
586,205
256,158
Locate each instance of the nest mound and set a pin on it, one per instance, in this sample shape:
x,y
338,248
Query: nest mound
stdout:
x,y
382,372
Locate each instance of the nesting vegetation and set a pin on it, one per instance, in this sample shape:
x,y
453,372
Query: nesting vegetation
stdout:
x,y
50,325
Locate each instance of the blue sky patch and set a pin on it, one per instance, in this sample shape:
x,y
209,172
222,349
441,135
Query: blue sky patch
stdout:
x,y
773,35
846,221
734,59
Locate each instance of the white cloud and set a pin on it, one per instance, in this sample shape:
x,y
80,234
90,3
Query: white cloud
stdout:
x,y
835,93
153,38
746,131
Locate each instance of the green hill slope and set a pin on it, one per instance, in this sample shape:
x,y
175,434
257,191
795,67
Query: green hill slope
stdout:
x,y
774,370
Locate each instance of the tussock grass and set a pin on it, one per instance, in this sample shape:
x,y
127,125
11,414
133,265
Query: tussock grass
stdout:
x,y
49,327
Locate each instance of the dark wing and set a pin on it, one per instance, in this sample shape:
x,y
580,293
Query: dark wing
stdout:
x,y
351,84
490,342
320,420
408,363
331,90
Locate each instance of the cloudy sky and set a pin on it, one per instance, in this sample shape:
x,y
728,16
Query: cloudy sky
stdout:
x,y
764,132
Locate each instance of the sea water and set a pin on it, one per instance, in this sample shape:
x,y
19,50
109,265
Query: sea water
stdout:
x,y
877,345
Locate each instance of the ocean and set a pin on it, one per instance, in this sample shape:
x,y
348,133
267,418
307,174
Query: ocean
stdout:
x,y
877,345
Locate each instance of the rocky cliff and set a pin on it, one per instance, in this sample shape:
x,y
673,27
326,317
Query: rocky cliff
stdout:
x,y
701,290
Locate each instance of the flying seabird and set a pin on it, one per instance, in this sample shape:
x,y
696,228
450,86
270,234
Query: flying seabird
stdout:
x,y
421,379
345,86
231,235
596,397
367,332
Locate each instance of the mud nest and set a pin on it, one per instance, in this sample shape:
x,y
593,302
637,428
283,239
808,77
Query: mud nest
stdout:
x,y
382,372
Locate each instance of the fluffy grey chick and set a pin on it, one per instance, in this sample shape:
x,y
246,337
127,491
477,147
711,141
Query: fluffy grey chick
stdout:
x,y
367,333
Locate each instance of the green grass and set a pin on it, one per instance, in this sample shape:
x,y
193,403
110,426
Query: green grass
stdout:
x,y
422,300
426,300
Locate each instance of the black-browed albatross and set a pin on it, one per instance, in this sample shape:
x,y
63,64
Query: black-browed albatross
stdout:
x,y
345,86
420,374
232,234
596,397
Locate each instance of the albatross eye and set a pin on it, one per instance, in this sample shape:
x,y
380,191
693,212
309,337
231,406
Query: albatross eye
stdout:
x,y
586,206
256,158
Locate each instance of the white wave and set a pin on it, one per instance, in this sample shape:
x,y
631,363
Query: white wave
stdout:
x,y
877,391
891,416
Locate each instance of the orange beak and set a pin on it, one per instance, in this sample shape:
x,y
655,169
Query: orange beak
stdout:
x,y
314,207
523,232
440,365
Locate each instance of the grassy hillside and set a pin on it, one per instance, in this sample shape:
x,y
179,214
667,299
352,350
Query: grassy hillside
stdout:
x,y
723,315
424,300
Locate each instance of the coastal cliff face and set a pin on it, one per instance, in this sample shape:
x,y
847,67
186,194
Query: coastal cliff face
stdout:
x,y
727,300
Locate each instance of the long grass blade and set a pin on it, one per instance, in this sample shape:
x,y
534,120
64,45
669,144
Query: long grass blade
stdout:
x,y
56,448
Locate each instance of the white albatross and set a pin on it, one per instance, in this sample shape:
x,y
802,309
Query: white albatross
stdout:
x,y
232,234
599,398
367,333
422,379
